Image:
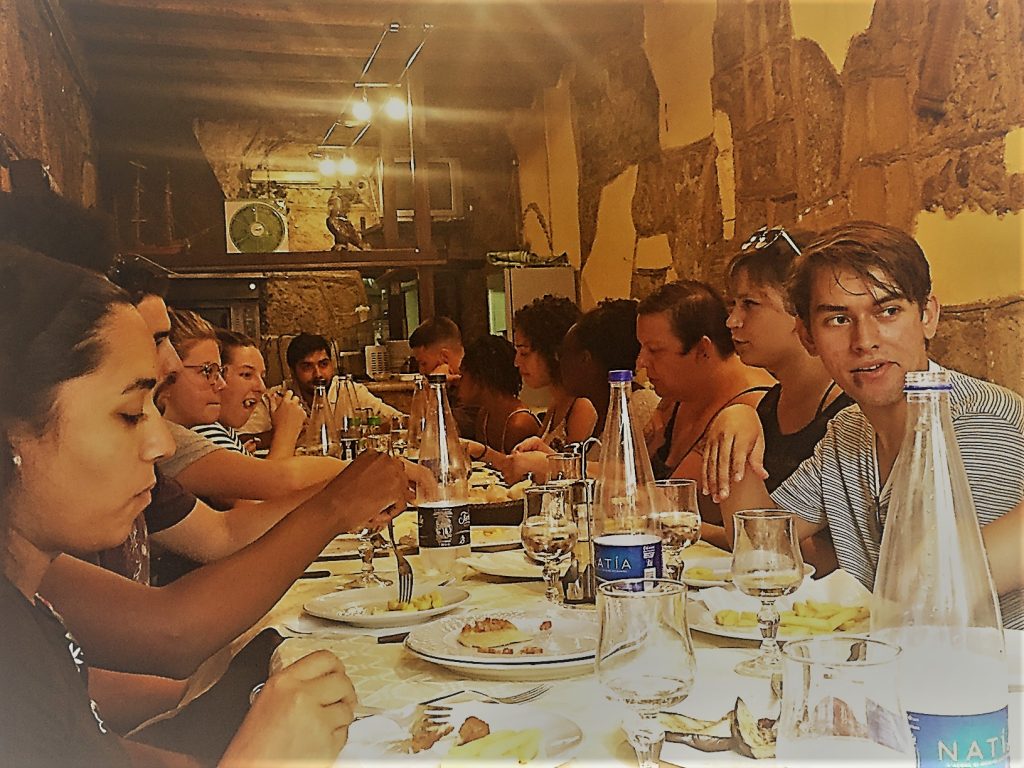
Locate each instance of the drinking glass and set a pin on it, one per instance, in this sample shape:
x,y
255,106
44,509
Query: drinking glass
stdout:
x,y
644,655
563,468
366,576
548,531
840,698
766,564
678,519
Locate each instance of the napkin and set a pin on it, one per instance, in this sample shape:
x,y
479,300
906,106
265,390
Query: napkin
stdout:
x,y
838,587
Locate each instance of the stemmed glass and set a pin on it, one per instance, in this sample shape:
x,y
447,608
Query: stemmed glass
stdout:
x,y
840,697
366,576
678,520
548,531
644,655
766,564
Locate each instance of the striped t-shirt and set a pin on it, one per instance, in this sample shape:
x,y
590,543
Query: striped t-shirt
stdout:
x,y
221,436
838,484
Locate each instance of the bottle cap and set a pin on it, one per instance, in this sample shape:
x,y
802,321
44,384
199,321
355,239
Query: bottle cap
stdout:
x,y
924,381
619,376
437,378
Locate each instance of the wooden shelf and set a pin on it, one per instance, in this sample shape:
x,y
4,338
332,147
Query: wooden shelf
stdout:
x,y
387,258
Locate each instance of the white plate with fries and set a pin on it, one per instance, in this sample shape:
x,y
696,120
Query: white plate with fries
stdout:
x,y
801,620
518,734
370,607
716,572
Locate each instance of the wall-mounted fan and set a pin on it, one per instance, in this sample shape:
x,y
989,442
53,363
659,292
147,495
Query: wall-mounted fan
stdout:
x,y
255,226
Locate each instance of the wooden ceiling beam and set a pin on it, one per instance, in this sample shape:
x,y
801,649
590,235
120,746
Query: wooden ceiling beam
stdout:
x,y
583,17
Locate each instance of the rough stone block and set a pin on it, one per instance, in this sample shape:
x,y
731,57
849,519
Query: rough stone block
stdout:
x,y
889,115
781,69
727,38
819,118
983,340
758,89
728,94
855,124
322,302
766,161
867,192
901,194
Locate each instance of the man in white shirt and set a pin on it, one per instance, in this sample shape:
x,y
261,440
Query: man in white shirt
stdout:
x,y
309,359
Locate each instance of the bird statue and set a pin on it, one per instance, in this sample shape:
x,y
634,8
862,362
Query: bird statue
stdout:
x,y
346,236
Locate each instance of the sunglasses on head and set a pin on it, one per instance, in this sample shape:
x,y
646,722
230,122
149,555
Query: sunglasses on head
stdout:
x,y
765,237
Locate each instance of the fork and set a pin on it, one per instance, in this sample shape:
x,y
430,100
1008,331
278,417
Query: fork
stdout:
x,y
439,714
404,569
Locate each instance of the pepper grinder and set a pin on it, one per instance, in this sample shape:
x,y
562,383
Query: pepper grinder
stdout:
x,y
579,584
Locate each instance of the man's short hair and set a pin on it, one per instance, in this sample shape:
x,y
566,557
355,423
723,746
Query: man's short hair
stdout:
x,y
608,333
303,345
695,310
436,330
139,276
882,256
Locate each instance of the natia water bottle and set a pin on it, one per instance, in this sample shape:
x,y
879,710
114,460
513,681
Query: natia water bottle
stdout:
x,y
443,505
626,541
934,596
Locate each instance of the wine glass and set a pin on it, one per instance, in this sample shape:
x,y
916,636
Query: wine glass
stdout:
x,y
399,434
548,531
366,576
678,519
563,468
840,697
644,655
766,564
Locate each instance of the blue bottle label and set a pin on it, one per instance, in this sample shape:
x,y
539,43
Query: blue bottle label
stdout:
x,y
627,556
961,741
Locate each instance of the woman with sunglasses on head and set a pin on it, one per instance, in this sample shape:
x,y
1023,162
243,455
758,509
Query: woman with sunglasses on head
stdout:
x,y
79,437
791,417
194,397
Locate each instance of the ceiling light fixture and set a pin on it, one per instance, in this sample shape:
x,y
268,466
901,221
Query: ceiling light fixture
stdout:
x,y
347,166
394,108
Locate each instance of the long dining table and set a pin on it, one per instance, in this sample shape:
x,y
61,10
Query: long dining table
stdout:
x,y
387,676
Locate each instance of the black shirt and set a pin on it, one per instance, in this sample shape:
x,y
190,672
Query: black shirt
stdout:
x,y
783,453
47,719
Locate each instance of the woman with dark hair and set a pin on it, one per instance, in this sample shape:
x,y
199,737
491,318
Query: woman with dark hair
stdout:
x,y
491,382
603,340
539,328
692,363
79,437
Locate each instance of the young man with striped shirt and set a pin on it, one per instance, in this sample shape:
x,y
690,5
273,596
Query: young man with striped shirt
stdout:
x,y
863,294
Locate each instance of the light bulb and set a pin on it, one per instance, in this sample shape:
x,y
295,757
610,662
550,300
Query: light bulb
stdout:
x,y
361,111
328,167
395,108
347,166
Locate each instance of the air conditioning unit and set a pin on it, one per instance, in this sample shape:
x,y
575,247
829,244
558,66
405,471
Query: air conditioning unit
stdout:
x,y
255,226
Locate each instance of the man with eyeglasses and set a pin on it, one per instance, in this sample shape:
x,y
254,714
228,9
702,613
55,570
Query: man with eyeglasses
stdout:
x,y
863,295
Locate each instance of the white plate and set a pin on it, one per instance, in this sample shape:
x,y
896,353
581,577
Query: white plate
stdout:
x,y
352,606
379,741
512,564
494,536
703,620
572,637
722,571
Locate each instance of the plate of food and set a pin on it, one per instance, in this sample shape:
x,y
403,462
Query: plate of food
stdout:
x,y
380,607
482,536
511,564
533,645
716,572
800,620
475,734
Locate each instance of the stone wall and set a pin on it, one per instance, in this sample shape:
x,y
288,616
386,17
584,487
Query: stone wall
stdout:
x,y
46,113
315,302
916,120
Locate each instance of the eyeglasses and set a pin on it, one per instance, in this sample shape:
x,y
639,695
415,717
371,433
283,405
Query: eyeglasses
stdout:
x,y
209,371
765,237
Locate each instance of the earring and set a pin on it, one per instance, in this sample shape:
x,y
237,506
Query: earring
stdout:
x,y
16,460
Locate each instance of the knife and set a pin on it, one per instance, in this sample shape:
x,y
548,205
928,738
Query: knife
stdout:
x,y
398,637
316,575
